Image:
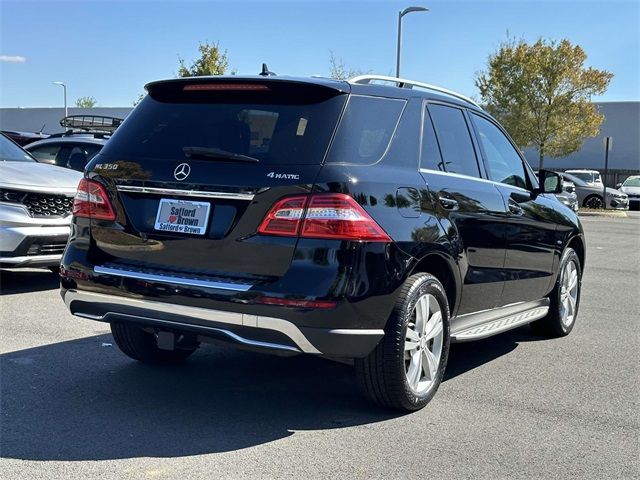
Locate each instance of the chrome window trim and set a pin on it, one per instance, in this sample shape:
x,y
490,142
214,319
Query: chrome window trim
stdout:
x,y
185,193
462,175
191,282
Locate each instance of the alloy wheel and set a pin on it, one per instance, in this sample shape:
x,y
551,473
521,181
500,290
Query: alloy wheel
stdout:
x,y
423,344
594,202
568,293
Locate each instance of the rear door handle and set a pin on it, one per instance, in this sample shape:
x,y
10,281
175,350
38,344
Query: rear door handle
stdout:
x,y
448,203
514,208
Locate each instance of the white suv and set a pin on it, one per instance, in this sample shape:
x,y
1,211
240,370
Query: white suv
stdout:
x,y
35,208
590,177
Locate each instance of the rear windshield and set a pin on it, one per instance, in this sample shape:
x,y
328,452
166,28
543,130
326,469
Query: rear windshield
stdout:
x,y
270,130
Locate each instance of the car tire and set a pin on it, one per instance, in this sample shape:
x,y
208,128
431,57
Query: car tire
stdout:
x,y
140,345
565,299
392,374
593,201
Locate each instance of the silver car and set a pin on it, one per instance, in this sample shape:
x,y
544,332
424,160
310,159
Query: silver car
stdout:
x,y
631,186
591,196
35,208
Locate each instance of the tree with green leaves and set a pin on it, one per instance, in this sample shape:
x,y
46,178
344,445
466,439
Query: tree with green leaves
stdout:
x,y
212,61
541,93
86,102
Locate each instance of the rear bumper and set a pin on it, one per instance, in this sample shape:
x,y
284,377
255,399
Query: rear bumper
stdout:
x,y
255,331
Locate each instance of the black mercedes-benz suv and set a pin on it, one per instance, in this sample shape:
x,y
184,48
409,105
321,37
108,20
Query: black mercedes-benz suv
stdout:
x,y
376,220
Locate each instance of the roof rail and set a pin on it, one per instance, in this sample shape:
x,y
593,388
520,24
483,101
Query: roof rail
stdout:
x,y
404,83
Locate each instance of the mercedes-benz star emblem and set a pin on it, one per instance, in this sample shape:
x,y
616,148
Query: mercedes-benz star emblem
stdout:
x,y
182,171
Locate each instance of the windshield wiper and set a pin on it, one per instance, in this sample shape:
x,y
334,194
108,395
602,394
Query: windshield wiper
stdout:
x,y
210,152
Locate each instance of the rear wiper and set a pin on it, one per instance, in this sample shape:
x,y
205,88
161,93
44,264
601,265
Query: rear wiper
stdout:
x,y
210,152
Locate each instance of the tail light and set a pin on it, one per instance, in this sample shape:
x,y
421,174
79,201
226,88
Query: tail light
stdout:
x,y
92,201
332,216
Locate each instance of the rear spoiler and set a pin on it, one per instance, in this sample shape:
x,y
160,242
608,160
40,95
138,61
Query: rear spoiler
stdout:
x,y
271,89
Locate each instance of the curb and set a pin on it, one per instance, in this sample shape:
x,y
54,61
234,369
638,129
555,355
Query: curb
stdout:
x,y
603,213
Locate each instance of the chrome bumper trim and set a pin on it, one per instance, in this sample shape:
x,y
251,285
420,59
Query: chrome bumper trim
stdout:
x,y
185,193
32,260
202,314
191,282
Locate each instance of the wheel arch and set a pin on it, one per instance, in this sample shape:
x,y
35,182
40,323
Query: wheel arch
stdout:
x,y
446,271
591,195
577,243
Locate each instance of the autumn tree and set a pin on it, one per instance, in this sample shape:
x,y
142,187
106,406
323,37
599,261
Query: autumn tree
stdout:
x,y
212,61
541,94
86,102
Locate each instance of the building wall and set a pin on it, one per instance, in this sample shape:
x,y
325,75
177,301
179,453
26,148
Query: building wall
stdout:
x,y
32,119
622,123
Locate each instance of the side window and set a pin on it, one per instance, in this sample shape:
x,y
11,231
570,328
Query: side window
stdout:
x,y
430,157
46,153
365,130
504,165
454,138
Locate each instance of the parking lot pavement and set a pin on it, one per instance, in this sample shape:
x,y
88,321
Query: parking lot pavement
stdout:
x,y
513,406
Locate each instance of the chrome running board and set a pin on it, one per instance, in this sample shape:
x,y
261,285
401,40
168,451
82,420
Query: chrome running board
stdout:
x,y
485,324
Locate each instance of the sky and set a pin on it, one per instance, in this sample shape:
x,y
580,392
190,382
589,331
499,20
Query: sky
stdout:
x,y
109,50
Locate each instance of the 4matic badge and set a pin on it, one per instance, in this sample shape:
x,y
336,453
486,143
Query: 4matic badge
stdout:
x,y
285,176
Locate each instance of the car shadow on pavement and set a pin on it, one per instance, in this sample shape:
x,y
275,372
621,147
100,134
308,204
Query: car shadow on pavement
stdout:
x,y
466,356
84,400
27,280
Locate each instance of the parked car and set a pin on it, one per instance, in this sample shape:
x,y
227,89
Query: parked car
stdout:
x,y
591,196
590,177
631,187
568,196
35,208
568,186
69,150
84,138
24,138
569,199
341,219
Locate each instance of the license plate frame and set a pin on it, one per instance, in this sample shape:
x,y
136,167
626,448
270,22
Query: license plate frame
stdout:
x,y
185,212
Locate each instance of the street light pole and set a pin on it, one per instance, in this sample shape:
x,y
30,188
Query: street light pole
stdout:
x,y
66,112
399,46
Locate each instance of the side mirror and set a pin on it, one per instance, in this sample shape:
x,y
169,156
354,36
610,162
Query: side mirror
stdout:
x,y
550,182
618,185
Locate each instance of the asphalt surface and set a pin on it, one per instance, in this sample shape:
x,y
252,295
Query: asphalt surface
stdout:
x,y
513,406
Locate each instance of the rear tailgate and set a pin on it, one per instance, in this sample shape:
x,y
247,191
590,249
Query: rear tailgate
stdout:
x,y
194,169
